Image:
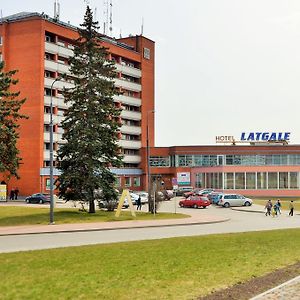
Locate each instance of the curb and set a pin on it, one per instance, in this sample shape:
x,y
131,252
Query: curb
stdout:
x,y
275,288
249,210
116,228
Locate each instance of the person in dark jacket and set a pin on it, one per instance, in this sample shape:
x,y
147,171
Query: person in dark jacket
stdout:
x,y
139,203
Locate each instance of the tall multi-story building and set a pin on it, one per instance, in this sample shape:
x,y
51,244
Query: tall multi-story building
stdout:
x,y
40,47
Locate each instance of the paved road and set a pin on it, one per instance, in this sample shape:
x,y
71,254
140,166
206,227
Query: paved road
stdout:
x,y
239,222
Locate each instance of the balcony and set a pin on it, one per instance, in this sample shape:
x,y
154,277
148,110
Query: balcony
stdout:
x,y
56,101
131,129
58,84
132,159
131,71
129,100
131,115
59,49
130,144
132,86
56,67
57,137
47,155
56,119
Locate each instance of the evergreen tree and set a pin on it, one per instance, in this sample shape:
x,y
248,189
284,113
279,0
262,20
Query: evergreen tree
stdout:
x,y
9,117
91,122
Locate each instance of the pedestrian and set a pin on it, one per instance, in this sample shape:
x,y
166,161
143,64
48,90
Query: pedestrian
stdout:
x,y
291,213
275,210
268,207
139,203
16,193
12,194
278,206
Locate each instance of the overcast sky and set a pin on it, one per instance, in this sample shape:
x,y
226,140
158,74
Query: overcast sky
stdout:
x,y
222,66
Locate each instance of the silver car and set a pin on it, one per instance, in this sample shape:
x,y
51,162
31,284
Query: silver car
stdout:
x,y
228,200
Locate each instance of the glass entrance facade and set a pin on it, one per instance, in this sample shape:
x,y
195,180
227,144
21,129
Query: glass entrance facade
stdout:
x,y
248,180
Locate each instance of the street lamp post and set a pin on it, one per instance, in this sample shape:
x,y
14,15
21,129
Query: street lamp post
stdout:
x,y
51,157
148,162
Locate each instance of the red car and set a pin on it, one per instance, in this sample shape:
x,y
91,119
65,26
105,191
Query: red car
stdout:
x,y
195,201
198,192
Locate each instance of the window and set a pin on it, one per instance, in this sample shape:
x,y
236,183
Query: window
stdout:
x,y
0,40
118,181
250,181
294,180
136,181
261,180
48,38
240,181
47,109
283,180
46,128
228,181
147,53
272,180
127,181
47,146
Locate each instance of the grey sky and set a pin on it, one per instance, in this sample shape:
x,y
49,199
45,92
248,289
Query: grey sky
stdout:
x,y
222,66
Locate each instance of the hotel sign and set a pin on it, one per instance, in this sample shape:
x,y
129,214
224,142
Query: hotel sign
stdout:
x,y
255,137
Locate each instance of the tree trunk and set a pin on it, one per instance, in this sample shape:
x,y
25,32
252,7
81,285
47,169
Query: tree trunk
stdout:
x,y
91,206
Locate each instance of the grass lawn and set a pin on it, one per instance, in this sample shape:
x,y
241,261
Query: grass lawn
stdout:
x,y
284,202
21,215
176,268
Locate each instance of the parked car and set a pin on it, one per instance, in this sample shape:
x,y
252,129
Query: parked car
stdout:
x,y
227,200
214,197
183,189
144,197
198,192
38,198
105,204
195,201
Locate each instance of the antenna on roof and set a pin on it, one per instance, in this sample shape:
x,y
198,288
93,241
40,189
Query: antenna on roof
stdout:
x,y
105,15
142,27
56,10
110,17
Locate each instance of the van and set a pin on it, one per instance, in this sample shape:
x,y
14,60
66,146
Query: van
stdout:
x,y
227,200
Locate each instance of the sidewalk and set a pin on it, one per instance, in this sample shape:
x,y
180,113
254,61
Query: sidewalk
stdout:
x,y
289,290
36,229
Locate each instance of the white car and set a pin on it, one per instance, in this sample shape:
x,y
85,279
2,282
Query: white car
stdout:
x,y
135,196
227,200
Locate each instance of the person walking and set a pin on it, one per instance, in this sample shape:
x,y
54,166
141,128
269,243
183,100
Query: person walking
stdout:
x,y
139,203
268,208
12,194
278,203
16,193
291,213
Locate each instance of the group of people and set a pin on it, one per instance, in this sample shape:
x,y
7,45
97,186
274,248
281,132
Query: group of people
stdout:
x,y
275,209
13,195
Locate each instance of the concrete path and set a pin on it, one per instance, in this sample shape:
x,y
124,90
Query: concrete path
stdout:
x,y
289,290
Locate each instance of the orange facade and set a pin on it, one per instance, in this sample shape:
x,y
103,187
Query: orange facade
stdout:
x,y
23,48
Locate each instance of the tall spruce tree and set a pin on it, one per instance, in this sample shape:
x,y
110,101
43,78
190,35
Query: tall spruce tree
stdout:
x,y
90,125
9,127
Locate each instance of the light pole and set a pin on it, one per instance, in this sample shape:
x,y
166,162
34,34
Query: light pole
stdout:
x,y
148,161
51,157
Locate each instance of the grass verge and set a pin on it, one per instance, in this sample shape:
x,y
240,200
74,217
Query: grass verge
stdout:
x,y
176,268
20,215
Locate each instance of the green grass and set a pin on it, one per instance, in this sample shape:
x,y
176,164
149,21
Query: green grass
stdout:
x,y
284,202
20,215
176,268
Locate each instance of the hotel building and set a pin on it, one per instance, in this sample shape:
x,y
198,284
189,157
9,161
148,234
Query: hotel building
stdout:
x,y
40,47
254,170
